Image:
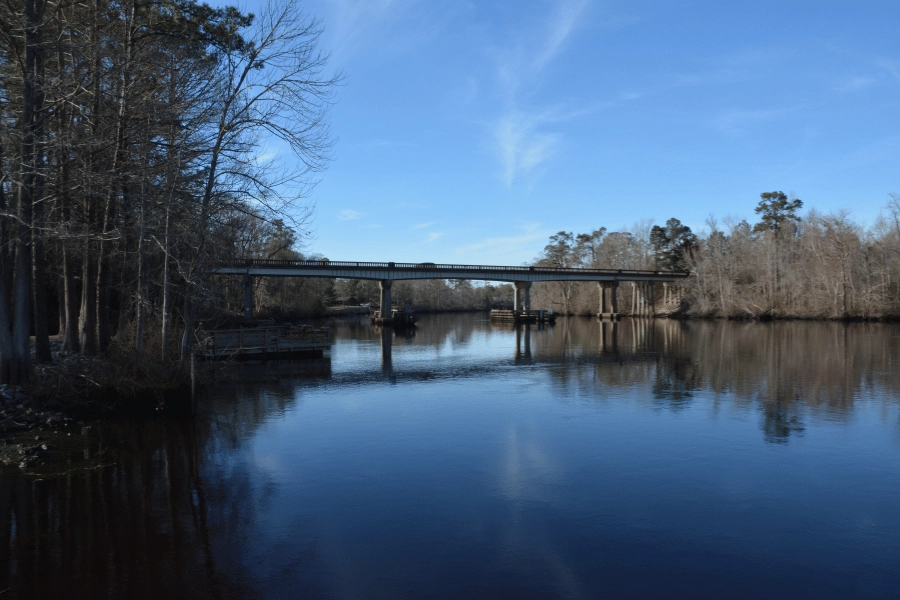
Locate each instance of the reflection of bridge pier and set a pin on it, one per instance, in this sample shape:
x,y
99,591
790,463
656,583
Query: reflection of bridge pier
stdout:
x,y
523,334
643,335
609,337
387,341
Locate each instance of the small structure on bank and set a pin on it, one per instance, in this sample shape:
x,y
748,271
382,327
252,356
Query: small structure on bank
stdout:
x,y
264,342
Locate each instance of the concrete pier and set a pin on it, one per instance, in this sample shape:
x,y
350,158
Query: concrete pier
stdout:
x,y
643,299
522,296
386,314
609,300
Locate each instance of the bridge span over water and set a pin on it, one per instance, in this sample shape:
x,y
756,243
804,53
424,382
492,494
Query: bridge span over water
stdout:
x,y
385,273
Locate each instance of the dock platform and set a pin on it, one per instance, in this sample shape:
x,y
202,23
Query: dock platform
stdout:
x,y
523,316
265,343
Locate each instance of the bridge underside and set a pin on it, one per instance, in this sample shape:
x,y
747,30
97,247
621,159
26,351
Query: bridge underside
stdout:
x,y
386,273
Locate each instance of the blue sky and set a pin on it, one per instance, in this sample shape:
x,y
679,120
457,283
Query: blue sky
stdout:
x,y
469,132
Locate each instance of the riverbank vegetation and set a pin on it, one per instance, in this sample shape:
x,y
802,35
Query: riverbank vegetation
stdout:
x,y
132,141
786,265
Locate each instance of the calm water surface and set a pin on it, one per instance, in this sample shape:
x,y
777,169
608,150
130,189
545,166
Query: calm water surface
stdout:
x,y
471,460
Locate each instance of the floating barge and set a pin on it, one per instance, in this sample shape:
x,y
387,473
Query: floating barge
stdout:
x,y
399,318
523,316
265,342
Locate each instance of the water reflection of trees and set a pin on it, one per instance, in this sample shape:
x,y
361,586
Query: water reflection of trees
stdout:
x,y
780,368
783,369
137,525
158,514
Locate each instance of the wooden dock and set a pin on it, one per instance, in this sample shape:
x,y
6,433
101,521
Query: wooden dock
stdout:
x,y
523,316
264,343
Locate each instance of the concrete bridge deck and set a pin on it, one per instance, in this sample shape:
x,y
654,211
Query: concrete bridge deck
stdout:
x,y
426,270
385,273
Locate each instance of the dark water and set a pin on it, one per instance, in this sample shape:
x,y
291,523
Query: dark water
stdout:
x,y
656,459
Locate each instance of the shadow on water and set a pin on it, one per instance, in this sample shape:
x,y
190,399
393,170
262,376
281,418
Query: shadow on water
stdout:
x,y
165,512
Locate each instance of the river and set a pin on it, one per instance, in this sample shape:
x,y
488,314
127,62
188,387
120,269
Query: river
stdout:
x,y
650,459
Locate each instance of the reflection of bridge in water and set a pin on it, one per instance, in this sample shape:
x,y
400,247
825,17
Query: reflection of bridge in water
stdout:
x,y
643,298
639,343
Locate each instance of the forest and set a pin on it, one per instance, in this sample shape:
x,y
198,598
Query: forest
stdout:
x,y
786,265
131,141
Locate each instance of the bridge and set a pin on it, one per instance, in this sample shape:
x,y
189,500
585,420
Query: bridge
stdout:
x,y
386,272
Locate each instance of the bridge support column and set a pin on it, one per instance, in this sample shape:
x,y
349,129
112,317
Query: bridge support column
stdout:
x,y
651,299
248,298
385,286
609,302
522,295
634,299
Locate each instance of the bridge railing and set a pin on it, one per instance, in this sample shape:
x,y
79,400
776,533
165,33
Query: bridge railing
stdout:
x,y
427,266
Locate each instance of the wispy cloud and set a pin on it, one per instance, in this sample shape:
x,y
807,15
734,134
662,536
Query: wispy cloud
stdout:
x,y
393,26
423,225
519,136
520,145
355,21
737,121
891,66
854,84
433,236
561,26
498,248
349,215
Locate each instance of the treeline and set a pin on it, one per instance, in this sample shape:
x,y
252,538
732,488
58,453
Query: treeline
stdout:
x,y
783,266
132,155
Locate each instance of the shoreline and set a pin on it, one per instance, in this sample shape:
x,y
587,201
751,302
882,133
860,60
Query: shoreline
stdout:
x,y
47,422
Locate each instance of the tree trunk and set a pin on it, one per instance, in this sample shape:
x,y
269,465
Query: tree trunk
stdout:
x,y
20,366
164,334
70,302
87,326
